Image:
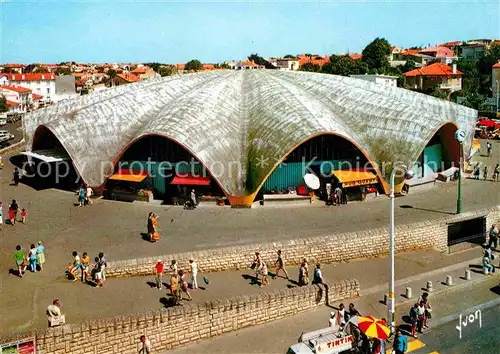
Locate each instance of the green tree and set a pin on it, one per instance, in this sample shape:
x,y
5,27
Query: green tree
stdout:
x,y
167,70
112,74
260,61
193,65
289,56
375,54
41,69
408,66
344,65
155,66
3,104
310,67
63,71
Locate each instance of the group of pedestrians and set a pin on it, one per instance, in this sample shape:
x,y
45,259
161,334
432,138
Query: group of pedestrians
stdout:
x,y
14,213
477,172
84,194
420,313
336,196
34,258
89,272
178,280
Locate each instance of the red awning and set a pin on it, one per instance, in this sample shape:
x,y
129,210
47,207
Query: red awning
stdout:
x,y
191,181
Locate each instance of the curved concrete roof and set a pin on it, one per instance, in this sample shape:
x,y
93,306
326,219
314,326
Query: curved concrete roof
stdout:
x,y
246,121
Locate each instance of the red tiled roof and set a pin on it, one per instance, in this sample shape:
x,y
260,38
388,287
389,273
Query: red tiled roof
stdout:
x,y
129,77
441,52
180,66
13,65
16,88
31,77
303,59
141,70
208,66
436,69
411,52
356,56
11,103
248,63
497,65
36,97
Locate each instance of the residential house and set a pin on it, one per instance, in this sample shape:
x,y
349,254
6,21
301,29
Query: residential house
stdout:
x,y
144,72
495,83
391,81
356,56
123,79
43,84
247,65
65,87
208,67
444,54
453,46
36,101
437,75
473,51
19,97
13,68
289,64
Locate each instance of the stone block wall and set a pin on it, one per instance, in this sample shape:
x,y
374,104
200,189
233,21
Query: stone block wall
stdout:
x,y
176,326
321,249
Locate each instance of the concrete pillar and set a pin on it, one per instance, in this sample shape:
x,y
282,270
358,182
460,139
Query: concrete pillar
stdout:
x,y
467,274
449,280
429,286
408,293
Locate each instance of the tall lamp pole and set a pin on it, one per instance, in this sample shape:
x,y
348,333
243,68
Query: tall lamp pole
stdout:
x,y
460,137
498,95
391,304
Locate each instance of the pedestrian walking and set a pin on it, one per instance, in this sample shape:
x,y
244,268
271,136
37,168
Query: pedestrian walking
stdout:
x,y
420,316
16,177
88,194
193,269
263,271
32,258
1,213
414,319
488,148
81,196
158,271
338,195
75,265
332,320
427,309
85,262
257,261
493,235
97,272
146,345
19,259
280,265
477,171
103,265
173,267
496,172
353,311
317,277
184,285
174,285
400,345
485,173
303,274
342,315
24,215
14,208
40,255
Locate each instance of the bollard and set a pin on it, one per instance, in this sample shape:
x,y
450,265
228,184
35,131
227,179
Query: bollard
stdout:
x,y
429,286
485,271
467,274
449,280
386,299
408,293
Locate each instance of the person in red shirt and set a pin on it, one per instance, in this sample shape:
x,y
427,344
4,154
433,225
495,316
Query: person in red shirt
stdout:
x,y
158,273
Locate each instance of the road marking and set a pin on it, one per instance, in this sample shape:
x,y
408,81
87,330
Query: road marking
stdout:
x,y
412,346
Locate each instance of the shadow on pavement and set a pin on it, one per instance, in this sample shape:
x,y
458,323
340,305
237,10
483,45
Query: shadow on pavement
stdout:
x,y
424,209
496,289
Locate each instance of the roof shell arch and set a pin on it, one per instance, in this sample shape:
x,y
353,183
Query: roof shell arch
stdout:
x,y
242,123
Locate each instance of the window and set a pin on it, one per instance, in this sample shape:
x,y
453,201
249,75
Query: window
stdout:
x,y
48,90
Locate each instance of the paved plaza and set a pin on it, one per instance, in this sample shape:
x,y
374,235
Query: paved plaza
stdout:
x,y
115,228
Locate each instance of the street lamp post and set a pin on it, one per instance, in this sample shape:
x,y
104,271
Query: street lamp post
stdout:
x,y
460,137
498,96
391,299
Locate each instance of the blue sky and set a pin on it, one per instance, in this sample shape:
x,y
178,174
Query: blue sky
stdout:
x,y
175,32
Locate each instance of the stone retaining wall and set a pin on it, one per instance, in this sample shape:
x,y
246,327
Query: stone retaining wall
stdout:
x,y
323,249
19,146
176,326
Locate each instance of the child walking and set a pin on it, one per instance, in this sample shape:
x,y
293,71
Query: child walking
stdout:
x,y
23,216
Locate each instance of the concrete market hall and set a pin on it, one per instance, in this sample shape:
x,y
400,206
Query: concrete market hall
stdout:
x,y
250,128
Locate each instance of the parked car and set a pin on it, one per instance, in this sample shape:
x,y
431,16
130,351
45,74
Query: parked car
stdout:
x,y
6,135
3,121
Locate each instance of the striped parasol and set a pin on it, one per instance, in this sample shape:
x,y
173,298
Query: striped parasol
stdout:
x,y
373,327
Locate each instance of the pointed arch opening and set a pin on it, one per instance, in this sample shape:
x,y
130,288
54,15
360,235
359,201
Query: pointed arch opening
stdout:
x,y
324,155
169,170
